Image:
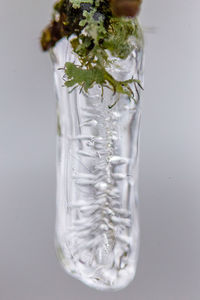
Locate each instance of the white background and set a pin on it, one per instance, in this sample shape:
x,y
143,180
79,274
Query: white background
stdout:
x,y
169,264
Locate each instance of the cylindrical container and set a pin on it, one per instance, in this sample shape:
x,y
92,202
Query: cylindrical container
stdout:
x,y
97,230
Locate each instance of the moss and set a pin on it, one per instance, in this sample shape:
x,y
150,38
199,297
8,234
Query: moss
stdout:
x,y
97,30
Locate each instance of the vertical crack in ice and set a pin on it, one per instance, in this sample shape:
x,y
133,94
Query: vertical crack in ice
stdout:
x,y
102,223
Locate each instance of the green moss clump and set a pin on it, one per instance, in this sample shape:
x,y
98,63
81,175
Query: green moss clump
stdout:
x,y
96,32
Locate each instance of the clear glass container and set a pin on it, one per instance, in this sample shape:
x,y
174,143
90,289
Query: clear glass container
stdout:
x,y
97,228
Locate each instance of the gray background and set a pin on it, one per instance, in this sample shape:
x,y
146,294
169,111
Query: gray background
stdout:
x,y
169,264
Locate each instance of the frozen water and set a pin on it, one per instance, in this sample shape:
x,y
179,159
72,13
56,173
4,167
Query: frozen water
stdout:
x,y
97,232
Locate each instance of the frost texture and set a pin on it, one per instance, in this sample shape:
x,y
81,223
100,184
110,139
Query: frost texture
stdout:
x,y
97,233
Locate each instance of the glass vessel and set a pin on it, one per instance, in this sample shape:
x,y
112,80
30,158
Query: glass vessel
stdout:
x,y
97,230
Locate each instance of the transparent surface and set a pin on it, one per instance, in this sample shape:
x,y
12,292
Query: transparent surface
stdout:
x,y
97,230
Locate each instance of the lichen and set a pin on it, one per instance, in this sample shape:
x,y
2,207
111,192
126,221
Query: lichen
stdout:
x,y
97,31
